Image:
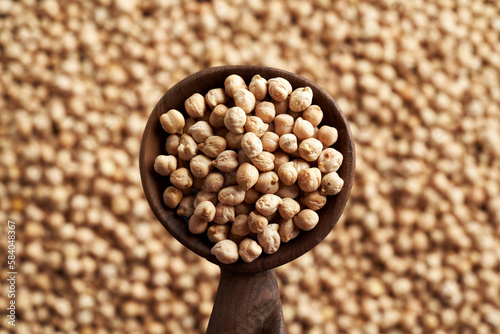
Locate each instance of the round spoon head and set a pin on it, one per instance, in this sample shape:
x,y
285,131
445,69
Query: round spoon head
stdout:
x,y
153,144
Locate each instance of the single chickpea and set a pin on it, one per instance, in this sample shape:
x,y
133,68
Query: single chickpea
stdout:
x,y
234,140
231,195
306,219
165,164
224,213
217,116
256,222
242,157
196,225
213,182
256,125
303,129
252,196
216,232
268,183
187,148
232,83
285,191
247,176
270,141
205,211
313,114
264,161
186,206
172,121
310,149
198,182
288,208
251,144
283,124
271,128
200,166
330,160
314,200
240,226
287,173
226,251
294,114
242,209
268,204
309,179
230,179
249,250
315,134
215,97
300,164
204,195
172,143
195,105
227,161
172,197
301,99
235,120
200,131
280,158
331,184
327,135
288,143
189,123
288,230
281,107
244,99
213,146
269,239
265,111
258,87
181,178
279,89
221,132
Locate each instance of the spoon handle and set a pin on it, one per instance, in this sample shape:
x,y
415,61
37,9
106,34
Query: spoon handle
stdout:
x,y
247,303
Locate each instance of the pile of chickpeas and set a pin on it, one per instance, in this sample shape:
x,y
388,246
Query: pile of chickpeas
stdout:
x,y
250,166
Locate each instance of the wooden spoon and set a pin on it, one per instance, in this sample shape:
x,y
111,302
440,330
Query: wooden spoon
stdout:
x,y
247,300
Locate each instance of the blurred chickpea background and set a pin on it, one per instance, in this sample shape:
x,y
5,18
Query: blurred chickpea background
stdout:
x,y
418,247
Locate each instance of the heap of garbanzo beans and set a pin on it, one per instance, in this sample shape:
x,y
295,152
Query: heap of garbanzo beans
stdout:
x,y
250,166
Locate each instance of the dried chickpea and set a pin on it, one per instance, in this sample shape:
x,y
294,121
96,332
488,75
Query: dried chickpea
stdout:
x,y
256,222
265,111
310,149
249,250
270,141
232,83
195,105
280,158
251,196
309,179
264,161
226,251
240,226
288,143
288,208
300,164
200,166
217,115
244,99
189,123
235,120
288,230
200,131
306,219
247,176
242,209
256,125
285,191
301,99
329,160
231,195
234,140
172,143
187,148
279,89
181,178
172,121
172,197
213,182
258,87
313,114
186,206
205,211
268,204
314,200
287,173
196,225
283,124
251,144
165,164
280,107
227,161
269,239
224,213
213,146
230,179
303,129
215,97
331,184
268,183
216,232
242,157
327,135
204,195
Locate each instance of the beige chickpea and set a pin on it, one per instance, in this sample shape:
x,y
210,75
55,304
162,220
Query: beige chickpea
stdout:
x,y
331,184
217,115
186,206
279,89
215,97
280,158
224,213
258,87
288,143
230,179
172,121
314,200
197,225
265,111
285,191
268,183
256,125
172,143
251,144
231,195
288,230
235,120
218,232
172,197
268,204
181,178
287,173
165,164
244,99
226,251
283,124
213,146
329,160
252,196
281,107
313,114
240,226
200,166
189,123
306,219
264,161
195,105
327,135
315,134
303,129
205,211
257,222
242,157
270,141
309,179
200,131
301,99
187,148
247,176
249,250
204,195
242,209
213,182
221,132
310,149
232,83
300,164
227,161
288,208
269,239
234,140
